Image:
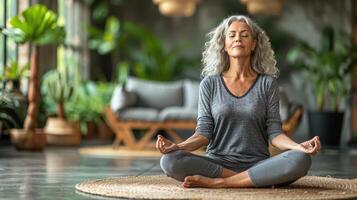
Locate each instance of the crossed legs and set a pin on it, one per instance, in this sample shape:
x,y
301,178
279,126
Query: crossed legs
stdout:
x,y
200,171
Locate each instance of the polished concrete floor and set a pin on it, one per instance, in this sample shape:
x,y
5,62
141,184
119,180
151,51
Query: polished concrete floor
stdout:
x,y
53,173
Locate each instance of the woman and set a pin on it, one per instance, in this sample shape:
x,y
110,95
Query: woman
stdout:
x,y
238,116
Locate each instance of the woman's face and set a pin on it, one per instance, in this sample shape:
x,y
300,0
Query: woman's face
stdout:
x,y
239,40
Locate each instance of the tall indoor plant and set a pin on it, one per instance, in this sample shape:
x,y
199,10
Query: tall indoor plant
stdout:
x,y
36,26
328,69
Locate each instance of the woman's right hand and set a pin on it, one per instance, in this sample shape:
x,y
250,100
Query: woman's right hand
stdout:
x,y
164,145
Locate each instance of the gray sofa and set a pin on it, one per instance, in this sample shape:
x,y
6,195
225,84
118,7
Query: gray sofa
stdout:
x,y
159,101
152,106
150,101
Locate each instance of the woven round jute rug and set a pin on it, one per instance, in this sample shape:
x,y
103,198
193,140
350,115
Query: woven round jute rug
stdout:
x,y
163,187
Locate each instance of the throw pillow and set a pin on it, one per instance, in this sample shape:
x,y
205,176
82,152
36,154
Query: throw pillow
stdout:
x,y
156,94
191,90
122,98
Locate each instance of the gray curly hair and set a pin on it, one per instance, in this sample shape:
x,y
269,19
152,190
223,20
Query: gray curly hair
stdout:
x,y
215,60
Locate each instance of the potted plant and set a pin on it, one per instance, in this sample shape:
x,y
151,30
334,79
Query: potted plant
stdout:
x,y
36,26
11,112
13,75
328,70
58,85
85,108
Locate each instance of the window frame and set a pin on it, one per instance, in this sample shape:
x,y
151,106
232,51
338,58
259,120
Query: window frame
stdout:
x,y
3,37
74,15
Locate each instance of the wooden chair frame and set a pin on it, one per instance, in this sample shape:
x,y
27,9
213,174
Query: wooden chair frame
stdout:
x,y
124,130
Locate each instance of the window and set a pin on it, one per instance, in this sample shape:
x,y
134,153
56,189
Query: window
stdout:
x,y
11,47
2,37
74,15
8,48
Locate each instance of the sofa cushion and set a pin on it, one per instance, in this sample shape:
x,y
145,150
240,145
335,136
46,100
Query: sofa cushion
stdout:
x,y
122,99
177,113
156,94
191,89
139,113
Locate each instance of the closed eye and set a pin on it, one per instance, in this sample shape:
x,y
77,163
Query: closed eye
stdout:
x,y
231,34
244,33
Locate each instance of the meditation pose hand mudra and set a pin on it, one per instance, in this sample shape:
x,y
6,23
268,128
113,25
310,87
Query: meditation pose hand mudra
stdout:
x,y
238,116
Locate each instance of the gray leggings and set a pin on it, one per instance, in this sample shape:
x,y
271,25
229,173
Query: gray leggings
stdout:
x,y
279,170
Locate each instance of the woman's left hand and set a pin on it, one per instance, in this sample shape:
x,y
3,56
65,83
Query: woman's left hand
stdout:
x,y
311,147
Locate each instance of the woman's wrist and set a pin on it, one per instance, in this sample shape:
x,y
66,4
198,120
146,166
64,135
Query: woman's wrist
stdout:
x,y
283,142
186,147
295,146
180,146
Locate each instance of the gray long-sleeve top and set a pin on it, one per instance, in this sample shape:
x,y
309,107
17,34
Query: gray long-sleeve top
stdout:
x,y
239,129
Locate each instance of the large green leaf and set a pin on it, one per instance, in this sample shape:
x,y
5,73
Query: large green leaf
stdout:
x,y
59,85
12,110
105,41
36,25
15,72
145,53
8,121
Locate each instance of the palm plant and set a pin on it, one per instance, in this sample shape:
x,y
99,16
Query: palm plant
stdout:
x,y
37,26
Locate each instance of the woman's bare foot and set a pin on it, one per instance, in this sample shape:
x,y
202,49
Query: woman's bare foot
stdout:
x,y
202,181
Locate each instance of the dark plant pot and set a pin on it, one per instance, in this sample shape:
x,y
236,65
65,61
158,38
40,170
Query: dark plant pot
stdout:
x,y
326,125
13,85
104,132
16,84
91,130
